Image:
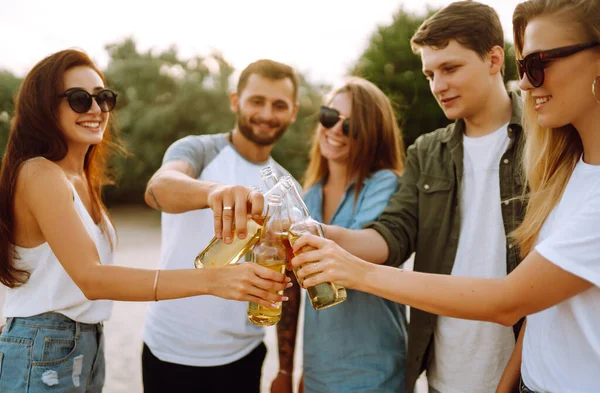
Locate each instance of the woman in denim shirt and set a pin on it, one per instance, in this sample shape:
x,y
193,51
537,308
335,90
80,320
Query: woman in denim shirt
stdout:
x,y
356,158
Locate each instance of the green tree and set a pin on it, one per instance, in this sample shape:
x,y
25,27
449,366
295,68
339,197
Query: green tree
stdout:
x,y
390,63
163,98
9,85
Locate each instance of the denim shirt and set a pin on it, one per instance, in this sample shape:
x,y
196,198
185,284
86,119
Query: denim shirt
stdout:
x,y
358,345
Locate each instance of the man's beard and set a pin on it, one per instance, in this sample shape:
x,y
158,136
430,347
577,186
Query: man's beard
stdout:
x,y
245,126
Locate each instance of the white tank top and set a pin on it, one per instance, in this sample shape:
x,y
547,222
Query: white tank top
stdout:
x,y
49,288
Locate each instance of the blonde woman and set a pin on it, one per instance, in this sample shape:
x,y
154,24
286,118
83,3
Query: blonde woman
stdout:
x,y
356,158
557,285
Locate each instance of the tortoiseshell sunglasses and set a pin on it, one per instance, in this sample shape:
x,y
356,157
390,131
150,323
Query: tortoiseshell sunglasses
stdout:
x,y
534,63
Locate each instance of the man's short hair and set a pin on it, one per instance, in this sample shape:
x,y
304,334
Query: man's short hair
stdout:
x,y
474,25
271,70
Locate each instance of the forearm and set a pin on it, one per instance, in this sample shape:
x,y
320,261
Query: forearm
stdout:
x,y
129,284
288,325
175,192
509,383
459,297
366,244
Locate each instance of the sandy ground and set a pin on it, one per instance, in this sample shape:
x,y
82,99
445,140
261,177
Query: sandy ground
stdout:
x,y
139,244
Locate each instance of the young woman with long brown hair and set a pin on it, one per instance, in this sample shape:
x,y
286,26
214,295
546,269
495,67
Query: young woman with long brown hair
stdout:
x,y
356,159
57,241
557,285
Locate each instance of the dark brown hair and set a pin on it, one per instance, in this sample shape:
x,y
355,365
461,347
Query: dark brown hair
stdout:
x,y
474,25
271,70
35,132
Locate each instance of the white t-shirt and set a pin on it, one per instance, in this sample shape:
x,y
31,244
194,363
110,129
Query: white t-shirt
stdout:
x,y
50,288
561,349
202,330
470,356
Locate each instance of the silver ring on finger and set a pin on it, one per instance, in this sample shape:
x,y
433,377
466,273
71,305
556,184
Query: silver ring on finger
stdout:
x,y
227,208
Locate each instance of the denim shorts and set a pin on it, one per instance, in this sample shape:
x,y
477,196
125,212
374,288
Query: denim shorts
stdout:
x,y
51,353
523,388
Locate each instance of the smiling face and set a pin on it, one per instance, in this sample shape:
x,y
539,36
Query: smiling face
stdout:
x,y
334,145
265,108
565,96
82,128
459,78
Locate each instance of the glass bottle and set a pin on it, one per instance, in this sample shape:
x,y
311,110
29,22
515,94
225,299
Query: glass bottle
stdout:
x,y
269,177
325,294
269,252
218,253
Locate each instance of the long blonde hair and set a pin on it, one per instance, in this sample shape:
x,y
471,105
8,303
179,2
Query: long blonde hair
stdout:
x,y
378,143
550,155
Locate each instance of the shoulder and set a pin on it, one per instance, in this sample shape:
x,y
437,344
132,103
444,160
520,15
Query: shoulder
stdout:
x,y
42,178
40,169
202,141
382,175
433,139
311,192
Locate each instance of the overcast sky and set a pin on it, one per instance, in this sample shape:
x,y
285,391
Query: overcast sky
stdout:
x,y
321,38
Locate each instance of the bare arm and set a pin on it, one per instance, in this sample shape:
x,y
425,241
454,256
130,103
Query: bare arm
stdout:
x,y
366,244
509,383
173,189
287,328
535,285
47,195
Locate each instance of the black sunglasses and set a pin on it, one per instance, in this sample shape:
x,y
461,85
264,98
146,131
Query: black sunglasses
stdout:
x,y
329,117
534,63
81,101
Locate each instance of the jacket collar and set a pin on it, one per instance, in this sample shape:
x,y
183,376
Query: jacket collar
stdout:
x,y
457,129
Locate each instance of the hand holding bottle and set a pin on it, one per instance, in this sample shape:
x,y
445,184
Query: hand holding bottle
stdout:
x,y
231,206
248,282
319,260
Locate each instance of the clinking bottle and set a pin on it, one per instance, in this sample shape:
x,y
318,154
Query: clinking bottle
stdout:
x,y
218,253
270,252
325,294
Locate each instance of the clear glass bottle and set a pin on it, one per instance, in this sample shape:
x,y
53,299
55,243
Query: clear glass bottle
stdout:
x,y
270,252
269,177
325,294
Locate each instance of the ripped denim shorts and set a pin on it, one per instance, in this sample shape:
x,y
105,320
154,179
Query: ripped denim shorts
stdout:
x,y
51,353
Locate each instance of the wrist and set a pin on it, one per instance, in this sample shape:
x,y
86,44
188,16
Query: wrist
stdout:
x,y
285,372
330,232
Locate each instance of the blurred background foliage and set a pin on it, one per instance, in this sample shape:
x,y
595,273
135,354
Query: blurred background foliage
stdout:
x,y
163,98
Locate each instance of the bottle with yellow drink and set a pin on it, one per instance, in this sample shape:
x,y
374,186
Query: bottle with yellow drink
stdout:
x,y
218,253
326,294
270,252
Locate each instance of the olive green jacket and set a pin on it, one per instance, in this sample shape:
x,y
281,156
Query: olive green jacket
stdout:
x,y
423,217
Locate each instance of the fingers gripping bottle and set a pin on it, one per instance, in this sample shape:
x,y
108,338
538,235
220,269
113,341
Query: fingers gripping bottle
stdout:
x,y
325,294
270,252
218,253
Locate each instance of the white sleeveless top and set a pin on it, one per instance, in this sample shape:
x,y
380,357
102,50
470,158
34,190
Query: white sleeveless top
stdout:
x,y
49,288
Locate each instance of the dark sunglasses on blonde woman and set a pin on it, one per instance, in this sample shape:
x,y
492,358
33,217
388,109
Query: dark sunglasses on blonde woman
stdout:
x,y
81,101
329,117
534,63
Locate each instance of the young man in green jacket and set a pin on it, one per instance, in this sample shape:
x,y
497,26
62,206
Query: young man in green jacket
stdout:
x,y
456,205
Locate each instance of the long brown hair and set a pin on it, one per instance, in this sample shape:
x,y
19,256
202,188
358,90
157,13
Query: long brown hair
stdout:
x,y
35,132
378,143
550,155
